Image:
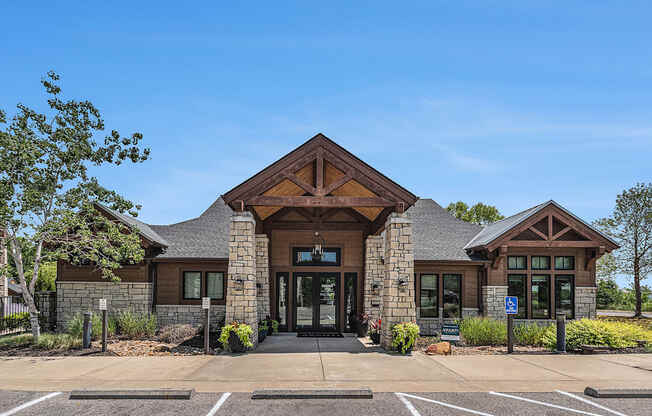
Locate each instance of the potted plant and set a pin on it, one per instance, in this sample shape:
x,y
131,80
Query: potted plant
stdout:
x,y
404,335
353,321
363,325
236,337
374,331
272,325
262,331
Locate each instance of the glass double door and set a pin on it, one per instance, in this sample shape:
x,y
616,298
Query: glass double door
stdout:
x,y
316,301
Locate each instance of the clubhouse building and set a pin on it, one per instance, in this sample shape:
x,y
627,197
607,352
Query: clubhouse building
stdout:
x,y
319,235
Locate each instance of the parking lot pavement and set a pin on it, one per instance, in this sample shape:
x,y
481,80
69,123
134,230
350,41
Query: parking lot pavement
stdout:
x,y
384,404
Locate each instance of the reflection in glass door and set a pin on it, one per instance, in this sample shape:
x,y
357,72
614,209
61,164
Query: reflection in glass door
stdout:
x,y
327,301
350,297
316,301
282,300
304,300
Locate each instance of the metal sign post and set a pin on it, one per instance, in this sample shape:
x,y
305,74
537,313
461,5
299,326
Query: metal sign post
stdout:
x,y
105,323
511,309
206,305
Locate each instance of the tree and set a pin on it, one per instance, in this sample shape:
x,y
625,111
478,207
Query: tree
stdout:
x,y
478,214
631,226
47,272
609,294
47,195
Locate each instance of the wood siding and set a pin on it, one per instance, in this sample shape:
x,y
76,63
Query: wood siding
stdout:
x,y
469,275
169,281
66,272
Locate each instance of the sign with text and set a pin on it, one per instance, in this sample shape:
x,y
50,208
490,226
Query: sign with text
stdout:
x,y
450,332
511,305
102,304
205,303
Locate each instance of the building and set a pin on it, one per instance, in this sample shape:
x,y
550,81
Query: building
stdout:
x,y
383,251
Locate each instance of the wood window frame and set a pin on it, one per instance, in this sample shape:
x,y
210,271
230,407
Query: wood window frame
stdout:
x,y
183,285
194,301
336,250
517,268
437,296
523,276
539,268
572,282
205,280
549,279
566,268
277,278
460,277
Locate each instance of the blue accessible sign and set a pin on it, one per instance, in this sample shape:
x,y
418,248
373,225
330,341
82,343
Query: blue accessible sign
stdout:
x,y
511,305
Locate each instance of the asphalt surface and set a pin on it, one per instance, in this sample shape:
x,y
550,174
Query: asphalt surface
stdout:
x,y
384,404
625,314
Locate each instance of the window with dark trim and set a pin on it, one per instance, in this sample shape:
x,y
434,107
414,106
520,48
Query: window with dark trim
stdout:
x,y
428,296
565,295
302,256
215,285
564,263
282,299
540,296
517,286
517,262
452,301
192,285
540,262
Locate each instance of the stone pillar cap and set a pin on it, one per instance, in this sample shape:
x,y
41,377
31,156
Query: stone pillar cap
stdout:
x,y
243,217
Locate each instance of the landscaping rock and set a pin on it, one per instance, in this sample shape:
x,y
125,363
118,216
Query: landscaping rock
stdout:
x,y
441,348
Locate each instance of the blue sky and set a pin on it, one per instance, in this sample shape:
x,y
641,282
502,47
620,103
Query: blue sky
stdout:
x,y
506,102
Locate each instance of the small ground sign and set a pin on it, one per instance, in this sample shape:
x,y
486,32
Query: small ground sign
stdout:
x,y
450,332
511,305
102,304
205,303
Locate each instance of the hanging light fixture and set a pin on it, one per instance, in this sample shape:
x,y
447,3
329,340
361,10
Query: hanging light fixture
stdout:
x,y
318,245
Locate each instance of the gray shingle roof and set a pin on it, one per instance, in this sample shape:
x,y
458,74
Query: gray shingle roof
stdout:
x,y
438,235
498,228
15,288
203,237
142,228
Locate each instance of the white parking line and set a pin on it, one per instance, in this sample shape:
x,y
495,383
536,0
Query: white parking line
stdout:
x,y
30,403
217,405
582,399
409,406
452,406
543,403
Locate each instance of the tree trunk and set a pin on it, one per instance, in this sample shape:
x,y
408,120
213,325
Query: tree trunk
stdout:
x,y
637,289
27,295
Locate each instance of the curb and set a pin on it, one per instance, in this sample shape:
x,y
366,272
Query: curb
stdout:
x,y
312,394
618,394
131,394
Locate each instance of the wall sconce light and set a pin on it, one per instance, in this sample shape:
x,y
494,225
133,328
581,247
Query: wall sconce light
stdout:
x,y
239,281
382,259
375,286
402,282
258,286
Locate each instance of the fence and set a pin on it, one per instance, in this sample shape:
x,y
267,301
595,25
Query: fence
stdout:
x,y
14,313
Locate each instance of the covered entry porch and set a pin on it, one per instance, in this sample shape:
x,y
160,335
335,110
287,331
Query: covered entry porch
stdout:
x,y
305,243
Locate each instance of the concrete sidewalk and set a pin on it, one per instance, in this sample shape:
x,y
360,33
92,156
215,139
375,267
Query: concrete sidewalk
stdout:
x,y
380,371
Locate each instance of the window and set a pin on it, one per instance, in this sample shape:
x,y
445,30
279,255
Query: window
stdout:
x,y
191,285
215,285
282,299
540,263
564,262
302,256
540,296
564,295
428,306
517,286
452,296
350,295
517,262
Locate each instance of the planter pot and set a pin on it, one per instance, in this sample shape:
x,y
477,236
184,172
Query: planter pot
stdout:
x,y
354,323
262,334
235,345
399,349
363,329
375,337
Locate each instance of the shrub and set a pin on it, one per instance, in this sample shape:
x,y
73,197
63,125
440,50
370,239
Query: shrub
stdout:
x,y
76,326
136,326
598,332
15,321
483,331
51,341
530,334
15,341
243,331
274,324
177,333
403,335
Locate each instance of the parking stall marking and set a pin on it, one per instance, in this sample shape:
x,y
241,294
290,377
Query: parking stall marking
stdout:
x,y
414,412
30,403
568,409
582,399
217,405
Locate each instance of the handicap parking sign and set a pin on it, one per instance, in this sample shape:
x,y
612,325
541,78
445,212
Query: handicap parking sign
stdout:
x,y
511,305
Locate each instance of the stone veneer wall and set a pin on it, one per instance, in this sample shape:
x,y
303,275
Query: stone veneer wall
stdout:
x,y
585,306
241,301
398,300
262,275
432,326
493,301
79,297
374,275
189,314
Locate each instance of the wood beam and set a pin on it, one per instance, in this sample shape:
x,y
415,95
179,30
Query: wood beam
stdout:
x,y
320,172
549,227
501,255
379,223
333,186
539,233
318,201
326,214
301,184
520,243
560,233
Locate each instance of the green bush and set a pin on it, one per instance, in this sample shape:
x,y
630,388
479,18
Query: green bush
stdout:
x,y
136,326
483,331
75,326
15,341
52,341
530,334
404,335
15,321
243,331
598,332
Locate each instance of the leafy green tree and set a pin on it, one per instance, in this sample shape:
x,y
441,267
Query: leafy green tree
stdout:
x,y
47,194
630,225
478,214
47,273
609,294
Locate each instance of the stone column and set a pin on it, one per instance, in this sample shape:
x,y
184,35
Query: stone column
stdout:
x,y
493,301
585,302
374,272
241,289
262,275
398,289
